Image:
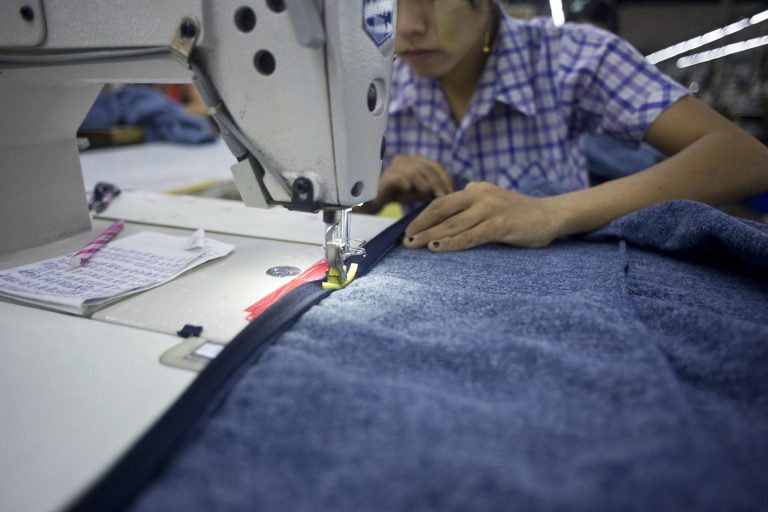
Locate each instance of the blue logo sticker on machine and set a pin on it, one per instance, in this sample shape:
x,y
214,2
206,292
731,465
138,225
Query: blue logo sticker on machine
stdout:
x,y
377,19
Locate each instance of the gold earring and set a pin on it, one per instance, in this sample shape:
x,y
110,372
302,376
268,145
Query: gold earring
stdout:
x,y
487,45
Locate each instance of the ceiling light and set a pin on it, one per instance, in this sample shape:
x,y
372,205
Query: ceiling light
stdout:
x,y
697,42
558,16
698,58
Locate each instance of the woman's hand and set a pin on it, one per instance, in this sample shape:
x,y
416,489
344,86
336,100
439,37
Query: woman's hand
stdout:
x,y
483,213
409,179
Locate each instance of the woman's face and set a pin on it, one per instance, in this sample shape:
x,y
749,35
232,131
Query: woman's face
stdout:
x,y
433,36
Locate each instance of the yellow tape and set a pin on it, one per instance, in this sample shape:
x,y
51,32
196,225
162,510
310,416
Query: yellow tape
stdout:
x,y
351,273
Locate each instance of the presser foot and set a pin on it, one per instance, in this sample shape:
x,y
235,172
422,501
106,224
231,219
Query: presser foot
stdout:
x,y
338,247
334,278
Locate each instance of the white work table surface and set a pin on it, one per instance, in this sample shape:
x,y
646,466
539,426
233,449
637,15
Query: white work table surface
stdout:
x,y
76,392
158,166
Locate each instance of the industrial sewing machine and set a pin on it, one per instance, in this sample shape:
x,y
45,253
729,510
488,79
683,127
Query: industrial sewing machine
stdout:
x,y
299,89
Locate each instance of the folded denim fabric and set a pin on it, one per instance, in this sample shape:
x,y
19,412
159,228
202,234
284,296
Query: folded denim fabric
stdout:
x,y
161,117
691,230
593,374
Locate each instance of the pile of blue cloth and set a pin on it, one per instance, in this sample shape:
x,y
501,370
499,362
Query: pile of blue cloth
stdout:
x,y
162,118
624,370
608,158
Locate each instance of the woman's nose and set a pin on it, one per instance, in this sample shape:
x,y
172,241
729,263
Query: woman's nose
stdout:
x,y
412,17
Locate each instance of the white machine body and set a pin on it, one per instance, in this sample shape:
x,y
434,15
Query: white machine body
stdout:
x,y
299,88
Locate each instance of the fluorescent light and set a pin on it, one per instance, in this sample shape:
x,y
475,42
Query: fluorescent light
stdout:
x,y
558,16
697,42
757,18
698,58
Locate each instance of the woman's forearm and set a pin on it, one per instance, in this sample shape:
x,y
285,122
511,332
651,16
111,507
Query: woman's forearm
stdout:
x,y
719,167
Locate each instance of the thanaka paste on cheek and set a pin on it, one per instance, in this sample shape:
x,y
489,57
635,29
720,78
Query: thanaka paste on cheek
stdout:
x,y
450,19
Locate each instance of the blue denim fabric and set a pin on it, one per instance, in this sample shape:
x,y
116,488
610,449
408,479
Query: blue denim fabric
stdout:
x,y
161,118
588,375
608,158
693,231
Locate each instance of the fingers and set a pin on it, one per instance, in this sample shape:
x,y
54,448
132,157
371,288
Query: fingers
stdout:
x,y
444,218
440,179
406,187
429,177
463,231
423,183
483,213
437,212
477,235
413,178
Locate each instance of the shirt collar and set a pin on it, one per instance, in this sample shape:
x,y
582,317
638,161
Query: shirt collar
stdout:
x,y
510,67
424,97
404,93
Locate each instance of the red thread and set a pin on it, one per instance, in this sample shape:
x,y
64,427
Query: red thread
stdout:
x,y
313,273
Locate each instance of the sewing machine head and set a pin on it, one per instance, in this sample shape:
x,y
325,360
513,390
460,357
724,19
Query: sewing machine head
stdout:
x,y
298,87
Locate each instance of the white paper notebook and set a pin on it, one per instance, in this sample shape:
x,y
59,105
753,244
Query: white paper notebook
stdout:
x,y
123,267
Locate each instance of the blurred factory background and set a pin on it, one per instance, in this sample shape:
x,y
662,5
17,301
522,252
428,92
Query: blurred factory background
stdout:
x,y
717,48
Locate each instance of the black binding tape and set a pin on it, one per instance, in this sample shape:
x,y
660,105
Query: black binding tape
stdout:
x,y
119,486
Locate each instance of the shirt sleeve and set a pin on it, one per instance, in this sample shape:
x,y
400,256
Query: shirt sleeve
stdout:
x,y
618,88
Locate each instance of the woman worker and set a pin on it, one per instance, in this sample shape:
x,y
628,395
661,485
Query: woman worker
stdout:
x,y
481,98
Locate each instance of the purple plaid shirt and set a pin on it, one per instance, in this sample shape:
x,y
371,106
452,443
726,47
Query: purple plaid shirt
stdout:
x,y
543,88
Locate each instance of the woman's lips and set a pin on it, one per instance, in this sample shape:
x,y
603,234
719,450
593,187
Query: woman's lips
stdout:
x,y
418,56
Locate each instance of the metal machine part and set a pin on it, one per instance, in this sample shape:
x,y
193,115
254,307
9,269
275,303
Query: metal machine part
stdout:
x,y
298,87
338,246
283,271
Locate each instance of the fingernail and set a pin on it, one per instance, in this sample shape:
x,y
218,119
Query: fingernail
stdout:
x,y
435,244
